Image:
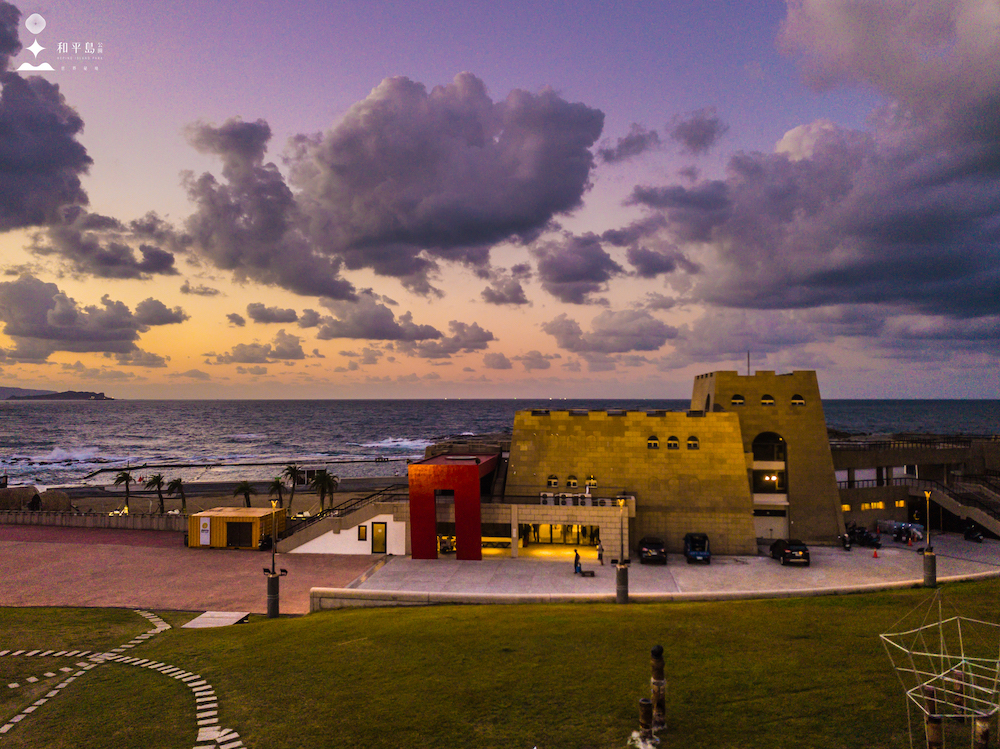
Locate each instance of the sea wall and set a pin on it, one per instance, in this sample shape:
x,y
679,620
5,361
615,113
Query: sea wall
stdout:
x,y
136,521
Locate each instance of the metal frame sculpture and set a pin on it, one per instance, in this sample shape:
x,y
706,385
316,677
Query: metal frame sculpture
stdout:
x,y
949,668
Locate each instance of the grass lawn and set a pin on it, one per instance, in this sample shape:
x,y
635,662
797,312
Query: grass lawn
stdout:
x,y
806,672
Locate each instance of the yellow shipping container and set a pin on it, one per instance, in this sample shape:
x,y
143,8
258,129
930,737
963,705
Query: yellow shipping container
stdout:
x,y
234,527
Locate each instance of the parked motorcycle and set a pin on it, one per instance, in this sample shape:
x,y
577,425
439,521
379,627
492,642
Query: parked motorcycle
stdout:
x,y
845,541
972,533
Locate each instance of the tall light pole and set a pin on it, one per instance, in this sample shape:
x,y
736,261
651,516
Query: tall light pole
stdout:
x,y
621,571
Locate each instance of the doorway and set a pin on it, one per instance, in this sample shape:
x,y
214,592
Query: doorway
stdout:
x,y
378,538
239,535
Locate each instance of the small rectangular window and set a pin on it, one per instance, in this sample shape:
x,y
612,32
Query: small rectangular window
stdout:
x,y
845,508
362,533
900,503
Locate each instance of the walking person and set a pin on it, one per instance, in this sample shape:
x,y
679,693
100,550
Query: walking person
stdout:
x,y
600,552
577,568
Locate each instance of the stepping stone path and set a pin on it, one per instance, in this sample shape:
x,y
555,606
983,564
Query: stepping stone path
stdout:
x,y
210,734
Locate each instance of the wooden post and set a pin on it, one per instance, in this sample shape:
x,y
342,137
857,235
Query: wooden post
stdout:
x,y
658,689
645,719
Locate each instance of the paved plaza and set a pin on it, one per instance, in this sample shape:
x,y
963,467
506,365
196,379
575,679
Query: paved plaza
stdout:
x,y
50,566
549,570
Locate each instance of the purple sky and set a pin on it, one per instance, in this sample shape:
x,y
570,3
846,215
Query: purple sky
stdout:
x,y
348,200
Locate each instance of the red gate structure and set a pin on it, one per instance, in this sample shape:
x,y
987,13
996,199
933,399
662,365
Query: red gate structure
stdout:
x,y
460,474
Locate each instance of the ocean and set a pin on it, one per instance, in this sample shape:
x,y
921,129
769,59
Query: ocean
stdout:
x,y
63,443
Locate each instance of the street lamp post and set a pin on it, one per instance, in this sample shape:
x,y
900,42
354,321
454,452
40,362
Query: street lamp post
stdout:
x,y
621,571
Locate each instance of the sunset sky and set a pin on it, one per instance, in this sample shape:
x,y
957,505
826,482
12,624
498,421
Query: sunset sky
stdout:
x,y
495,200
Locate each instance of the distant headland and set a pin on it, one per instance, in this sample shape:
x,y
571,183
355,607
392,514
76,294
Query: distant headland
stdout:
x,y
68,395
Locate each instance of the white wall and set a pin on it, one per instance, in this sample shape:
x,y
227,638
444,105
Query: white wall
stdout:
x,y
346,542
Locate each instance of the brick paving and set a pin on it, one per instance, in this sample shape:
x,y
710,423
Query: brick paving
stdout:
x,y
51,566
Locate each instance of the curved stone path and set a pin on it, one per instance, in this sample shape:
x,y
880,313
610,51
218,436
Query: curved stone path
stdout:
x,y
210,734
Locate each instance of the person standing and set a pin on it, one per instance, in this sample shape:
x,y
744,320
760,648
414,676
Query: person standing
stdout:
x,y
577,569
600,552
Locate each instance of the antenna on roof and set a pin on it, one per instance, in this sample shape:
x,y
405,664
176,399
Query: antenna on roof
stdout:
x,y
748,362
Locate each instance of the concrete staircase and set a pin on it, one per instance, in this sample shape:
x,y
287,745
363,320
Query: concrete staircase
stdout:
x,y
952,502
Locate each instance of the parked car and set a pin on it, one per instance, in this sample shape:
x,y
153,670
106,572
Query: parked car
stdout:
x,y
696,548
790,551
652,549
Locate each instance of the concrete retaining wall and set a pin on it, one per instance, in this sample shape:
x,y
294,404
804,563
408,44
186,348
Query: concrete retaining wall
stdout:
x,y
321,599
135,521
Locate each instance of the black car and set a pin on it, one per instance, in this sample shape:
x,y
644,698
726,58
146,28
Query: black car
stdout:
x,y
651,549
790,551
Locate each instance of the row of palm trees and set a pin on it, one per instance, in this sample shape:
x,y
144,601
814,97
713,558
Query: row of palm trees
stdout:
x,y
323,484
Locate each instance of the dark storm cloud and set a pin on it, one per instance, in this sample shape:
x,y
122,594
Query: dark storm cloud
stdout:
x,y
41,320
536,360
574,267
411,177
288,346
140,358
40,159
638,140
612,333
101,246
726,335
309,318
697,131
650,263
187,288
659,301
154,312
236,319
496,360
694,212
10,43
465,338
254,370
285,347
250,223
261,314
504,290
368,318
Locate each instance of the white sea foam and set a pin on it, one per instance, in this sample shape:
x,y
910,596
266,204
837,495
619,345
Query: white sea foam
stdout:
x,y
398,443
79,455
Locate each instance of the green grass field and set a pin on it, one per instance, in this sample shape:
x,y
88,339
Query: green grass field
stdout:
x,y
807,673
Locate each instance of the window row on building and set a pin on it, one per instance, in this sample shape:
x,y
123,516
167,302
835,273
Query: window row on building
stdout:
x,y
673,443
766,400
571,482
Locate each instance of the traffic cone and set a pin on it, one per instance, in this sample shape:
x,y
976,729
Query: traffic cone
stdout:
x,y
909,541
875,554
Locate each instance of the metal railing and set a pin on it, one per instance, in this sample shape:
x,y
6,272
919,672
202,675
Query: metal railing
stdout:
x,y
961,497
945,443
392,493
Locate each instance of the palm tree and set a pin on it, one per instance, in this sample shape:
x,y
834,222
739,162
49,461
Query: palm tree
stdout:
x,y
324,484
156,482
124,477
246,489
177,487
276,487
292,472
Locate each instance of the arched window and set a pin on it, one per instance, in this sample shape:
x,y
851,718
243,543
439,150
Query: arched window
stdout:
x,y
673,443
798,400
653,443
693,443
767,400
769,447
571,482
737,400
553,480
